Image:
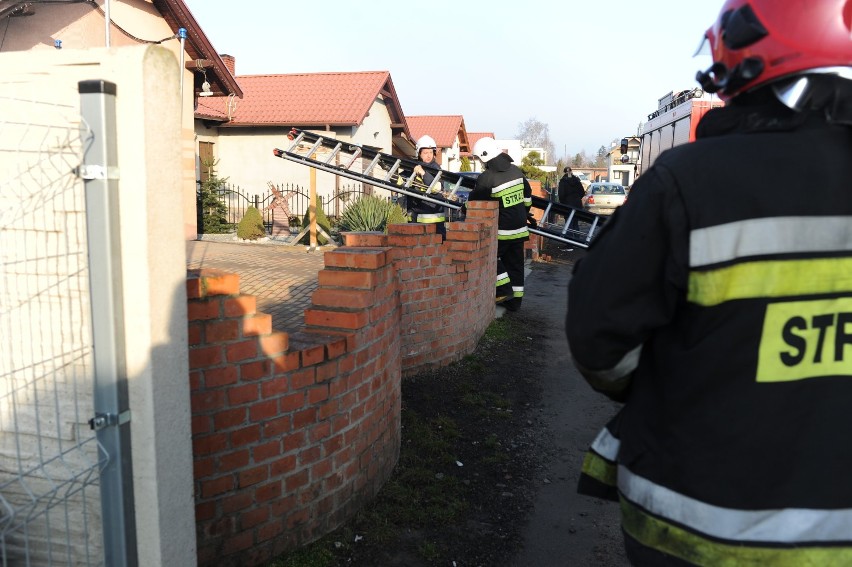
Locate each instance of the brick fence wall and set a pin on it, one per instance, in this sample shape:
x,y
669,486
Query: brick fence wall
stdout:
x,y
294,432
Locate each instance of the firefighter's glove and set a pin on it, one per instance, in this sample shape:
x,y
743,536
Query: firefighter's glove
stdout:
x,y
531,222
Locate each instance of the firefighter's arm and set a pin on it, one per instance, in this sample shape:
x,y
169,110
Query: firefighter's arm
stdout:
x,y
527,194
627,285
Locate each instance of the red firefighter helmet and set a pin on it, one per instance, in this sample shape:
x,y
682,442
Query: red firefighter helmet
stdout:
x,y
754,42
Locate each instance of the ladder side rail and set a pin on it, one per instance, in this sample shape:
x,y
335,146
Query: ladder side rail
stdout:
x,y
558,237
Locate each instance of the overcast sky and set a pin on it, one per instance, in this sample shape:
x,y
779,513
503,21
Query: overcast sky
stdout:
x,y
590,70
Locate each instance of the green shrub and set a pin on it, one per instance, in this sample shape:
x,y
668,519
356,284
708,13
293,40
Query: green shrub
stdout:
x,y
214,213
251,226
322,222
371,213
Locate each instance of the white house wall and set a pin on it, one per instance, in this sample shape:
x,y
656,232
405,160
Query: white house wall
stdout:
x,y
245,156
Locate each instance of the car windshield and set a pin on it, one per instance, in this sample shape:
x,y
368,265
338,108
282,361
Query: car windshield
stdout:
x,y
608,190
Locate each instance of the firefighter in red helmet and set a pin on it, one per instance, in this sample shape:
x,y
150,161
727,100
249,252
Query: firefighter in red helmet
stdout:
x,y
727,323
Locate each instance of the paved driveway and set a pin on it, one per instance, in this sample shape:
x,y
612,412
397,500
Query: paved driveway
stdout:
x,y
282,277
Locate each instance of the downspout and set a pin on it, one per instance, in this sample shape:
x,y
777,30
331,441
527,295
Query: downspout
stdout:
x,y
182,36
106,14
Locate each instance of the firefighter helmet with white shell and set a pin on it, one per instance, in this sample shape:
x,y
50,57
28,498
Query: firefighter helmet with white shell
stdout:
x,y
486,149
425,142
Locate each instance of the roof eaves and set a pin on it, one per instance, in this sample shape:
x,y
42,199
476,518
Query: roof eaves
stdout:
x,y
177,15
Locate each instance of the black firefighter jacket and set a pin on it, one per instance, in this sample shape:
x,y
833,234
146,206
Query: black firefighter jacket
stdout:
x,y
717,303
505,182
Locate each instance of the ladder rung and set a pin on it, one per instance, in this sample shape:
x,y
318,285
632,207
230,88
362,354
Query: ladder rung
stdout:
x,y
314,148
392,170
334,152
372,164
296,141
355,155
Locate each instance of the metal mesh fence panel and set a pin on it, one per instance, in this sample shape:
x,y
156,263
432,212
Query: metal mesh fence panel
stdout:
x,y
49,457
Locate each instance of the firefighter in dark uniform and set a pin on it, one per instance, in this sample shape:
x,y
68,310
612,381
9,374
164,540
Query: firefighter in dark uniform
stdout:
x,y
505,182
419,210
717,304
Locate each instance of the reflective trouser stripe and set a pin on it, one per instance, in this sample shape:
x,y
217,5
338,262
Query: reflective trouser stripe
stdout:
x,y
503,279
518,291
430,218
670,538
513,234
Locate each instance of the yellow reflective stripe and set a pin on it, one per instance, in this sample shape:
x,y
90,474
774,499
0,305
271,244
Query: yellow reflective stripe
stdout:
x,y
512,234
600,469
430,218
503,279
692,547
507,186
776,278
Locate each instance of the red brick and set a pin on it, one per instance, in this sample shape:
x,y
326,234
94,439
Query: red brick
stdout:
x,y
292,402
263,410
243,394
236,502
200,310
283,465
254,370
200,424
229,418
201,401
266,451
253,476
347,278
274,387
275,427
241,350
203,357
268,492
194,334
259,324
205,511
349,320
215,377
318,394
240,305
274,343
231,461
285,363
364,239
251,518
217,282
408,228
210,488
343,298
245,435
203,467
238,542
296,481
357,258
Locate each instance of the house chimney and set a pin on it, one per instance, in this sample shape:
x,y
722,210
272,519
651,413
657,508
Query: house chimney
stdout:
x,y
230,63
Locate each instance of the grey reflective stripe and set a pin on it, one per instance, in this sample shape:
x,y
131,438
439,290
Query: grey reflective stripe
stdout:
x,y
766,236
625,366
504,186
606,445
784,525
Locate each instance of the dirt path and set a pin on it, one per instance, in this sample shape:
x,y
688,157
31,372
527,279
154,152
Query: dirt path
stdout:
x,y
566,529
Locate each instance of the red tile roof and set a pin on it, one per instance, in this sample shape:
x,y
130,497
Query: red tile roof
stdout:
x,y
443,129
307,99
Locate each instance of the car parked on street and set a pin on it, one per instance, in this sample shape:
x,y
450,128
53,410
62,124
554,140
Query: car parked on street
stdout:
x,y
603,198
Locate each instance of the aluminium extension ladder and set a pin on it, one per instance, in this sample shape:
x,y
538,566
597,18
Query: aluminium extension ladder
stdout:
x,y
396,175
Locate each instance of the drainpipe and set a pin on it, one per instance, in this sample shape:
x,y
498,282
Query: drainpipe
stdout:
x,y
106,14
182,36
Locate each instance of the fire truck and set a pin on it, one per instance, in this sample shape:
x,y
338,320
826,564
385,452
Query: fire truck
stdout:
x,y
673,123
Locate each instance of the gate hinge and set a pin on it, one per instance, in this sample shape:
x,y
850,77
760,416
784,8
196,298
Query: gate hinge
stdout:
x,y
102,420
90,172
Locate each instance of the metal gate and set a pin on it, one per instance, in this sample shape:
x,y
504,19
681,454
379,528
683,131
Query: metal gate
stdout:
x,y
57,414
